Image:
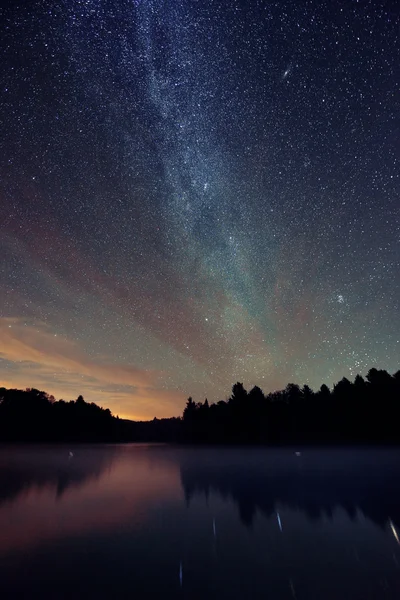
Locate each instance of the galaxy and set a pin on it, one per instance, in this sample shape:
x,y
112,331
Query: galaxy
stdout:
x,y
197,192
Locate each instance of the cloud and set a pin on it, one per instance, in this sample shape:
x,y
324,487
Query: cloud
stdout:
x,y
168,302
33,356
24,343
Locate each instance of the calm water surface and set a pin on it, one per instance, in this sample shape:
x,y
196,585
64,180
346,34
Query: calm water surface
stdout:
x,y
165,522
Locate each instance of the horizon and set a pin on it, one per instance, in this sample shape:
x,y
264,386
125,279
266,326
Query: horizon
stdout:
x,y
246,388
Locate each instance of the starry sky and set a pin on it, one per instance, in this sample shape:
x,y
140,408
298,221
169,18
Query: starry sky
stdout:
x,y
197,192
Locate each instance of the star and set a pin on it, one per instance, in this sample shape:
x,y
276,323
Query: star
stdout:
x,y
178,220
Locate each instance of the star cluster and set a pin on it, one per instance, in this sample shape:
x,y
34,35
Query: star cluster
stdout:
x,y
194,193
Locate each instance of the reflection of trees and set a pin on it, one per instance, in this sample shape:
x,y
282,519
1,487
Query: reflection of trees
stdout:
x,y
316,482
23,468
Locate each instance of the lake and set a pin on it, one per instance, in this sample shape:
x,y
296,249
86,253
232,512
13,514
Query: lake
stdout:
x,y
152,521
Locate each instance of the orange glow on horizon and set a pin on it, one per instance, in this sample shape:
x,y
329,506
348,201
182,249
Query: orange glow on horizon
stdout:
x,y
40,359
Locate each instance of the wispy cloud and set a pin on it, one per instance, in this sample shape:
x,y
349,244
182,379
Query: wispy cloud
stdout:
x,y
38,358
23,343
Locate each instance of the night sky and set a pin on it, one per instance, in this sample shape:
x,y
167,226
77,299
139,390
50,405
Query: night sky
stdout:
x,y
197,192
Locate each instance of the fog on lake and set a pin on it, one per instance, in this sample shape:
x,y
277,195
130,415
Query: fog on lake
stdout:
x,y
153,521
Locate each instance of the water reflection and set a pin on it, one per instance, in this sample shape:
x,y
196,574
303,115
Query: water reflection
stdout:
x,y
152,522
47,494
314,482
56,467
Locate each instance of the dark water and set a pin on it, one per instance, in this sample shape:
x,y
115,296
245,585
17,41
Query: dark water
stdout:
x,y
163,522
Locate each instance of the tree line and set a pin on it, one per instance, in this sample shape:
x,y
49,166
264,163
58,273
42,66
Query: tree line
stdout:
x,y
32,415
364,411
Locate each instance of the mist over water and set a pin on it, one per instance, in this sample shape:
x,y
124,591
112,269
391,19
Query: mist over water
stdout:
x,y
153,521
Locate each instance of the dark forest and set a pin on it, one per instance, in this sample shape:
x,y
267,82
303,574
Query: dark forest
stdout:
x,y
360,412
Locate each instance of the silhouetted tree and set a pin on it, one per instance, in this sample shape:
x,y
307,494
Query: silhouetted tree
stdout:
x,y
238,396
324,392
307,393
353,412
366,411
190,410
